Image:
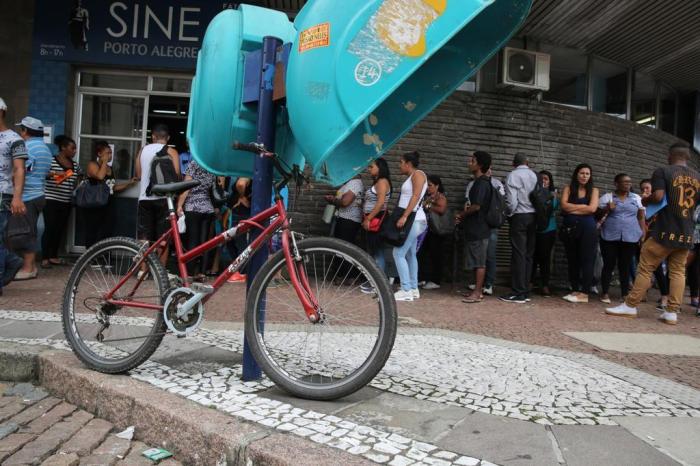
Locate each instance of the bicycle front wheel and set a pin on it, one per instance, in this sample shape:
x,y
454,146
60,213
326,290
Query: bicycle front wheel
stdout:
x,y
350,344
114,338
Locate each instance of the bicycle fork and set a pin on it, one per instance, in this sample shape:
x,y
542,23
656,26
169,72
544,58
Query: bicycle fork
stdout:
x,y
299,279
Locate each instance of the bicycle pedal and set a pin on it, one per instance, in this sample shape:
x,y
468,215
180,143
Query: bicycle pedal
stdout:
x,y
202,288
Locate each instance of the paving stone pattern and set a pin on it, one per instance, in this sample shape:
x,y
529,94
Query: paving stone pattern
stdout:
x,y
36,428
541,388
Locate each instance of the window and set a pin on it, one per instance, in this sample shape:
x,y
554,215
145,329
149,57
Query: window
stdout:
x,y
608,88
667,109
644,100
114,81
567,76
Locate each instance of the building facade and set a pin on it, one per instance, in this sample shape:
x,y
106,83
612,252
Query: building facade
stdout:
x,y
620,90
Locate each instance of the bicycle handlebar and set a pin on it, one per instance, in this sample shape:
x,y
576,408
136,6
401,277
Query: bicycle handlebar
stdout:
x,y
294,172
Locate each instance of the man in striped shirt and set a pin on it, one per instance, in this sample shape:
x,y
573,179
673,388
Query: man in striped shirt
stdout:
x,y
37,167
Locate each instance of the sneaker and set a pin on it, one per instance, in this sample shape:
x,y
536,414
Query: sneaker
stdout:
x,y
623,310
514,298
472,287
487,290
366,288
594,289
431,286
402,295
669,318
661,307
576,298
606,300
237,278
415,293
421,283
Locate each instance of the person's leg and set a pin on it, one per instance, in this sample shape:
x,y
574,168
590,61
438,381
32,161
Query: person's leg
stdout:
x,y
437,259
207,234
531,231
56,216
609,249
193,225
694,277
588,249
518,257
491,259
649,259
572,264
625,254
400,257
676,275
548,240
411,254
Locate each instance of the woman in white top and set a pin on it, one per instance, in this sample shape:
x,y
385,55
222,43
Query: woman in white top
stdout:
x,y
412,191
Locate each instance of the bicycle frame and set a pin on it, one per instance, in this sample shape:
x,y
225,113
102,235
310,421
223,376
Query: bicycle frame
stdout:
x,y
298,276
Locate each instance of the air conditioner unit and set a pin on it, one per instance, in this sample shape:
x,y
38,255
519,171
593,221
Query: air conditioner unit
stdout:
x,y
524,69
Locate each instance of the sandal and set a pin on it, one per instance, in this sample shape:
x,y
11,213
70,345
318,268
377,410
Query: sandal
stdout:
x,y
473,299
58,261
46,265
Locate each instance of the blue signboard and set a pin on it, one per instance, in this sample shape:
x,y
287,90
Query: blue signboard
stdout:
x,y
154,33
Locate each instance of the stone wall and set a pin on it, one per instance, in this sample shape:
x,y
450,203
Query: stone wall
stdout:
x,y
557,138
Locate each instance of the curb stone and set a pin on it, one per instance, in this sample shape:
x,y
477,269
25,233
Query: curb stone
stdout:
x,y
198,435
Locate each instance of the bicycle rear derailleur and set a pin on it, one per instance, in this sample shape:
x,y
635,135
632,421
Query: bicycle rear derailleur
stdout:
x,y
183,310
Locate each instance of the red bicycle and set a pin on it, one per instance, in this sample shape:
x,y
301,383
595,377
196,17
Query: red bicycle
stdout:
x,y
310,325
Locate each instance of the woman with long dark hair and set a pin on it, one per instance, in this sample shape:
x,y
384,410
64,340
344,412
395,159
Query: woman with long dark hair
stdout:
x,y
376,201
545,239
60,183
430,254
412,191
579,202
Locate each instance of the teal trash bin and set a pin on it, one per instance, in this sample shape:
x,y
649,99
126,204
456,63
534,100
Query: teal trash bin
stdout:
x,y
218,117
361,76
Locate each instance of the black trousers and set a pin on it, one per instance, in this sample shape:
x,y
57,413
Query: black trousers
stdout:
x,y
97,224
522,241
346,230
198,226
56,216
430,258
620,254
580,257
544,244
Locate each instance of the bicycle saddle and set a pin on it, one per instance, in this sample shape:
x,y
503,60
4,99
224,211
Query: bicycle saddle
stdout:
x,y
170,189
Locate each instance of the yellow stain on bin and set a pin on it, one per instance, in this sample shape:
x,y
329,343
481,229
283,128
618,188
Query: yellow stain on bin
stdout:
x,y
402,24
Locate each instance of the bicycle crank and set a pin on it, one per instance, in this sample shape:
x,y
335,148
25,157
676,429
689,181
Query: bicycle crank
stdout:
x,y
183,310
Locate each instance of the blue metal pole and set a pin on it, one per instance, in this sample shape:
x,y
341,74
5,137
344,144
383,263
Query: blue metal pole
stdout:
x,y
262,176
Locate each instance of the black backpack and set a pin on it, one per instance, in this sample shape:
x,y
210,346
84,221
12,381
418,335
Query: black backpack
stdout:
x,y
162,170
542,200
496,213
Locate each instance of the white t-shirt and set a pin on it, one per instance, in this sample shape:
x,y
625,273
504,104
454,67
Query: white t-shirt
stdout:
x,y
407,194
147,154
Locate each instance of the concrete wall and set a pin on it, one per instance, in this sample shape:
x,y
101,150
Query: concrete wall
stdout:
x,y
557,138
16,25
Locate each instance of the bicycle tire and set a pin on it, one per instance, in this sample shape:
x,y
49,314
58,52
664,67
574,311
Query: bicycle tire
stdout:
x,y
271,359
71,319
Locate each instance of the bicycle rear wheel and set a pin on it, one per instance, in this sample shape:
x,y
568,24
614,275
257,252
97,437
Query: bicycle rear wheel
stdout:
x,y
106,337
349,345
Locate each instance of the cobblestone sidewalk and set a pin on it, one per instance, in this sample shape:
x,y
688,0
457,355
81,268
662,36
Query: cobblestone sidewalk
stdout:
x,y
36,428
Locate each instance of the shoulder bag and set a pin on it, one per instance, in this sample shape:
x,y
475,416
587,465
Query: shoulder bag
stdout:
x,y
389,231
91,195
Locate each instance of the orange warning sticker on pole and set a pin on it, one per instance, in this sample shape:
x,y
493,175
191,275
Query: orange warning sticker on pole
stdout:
x,y
315,37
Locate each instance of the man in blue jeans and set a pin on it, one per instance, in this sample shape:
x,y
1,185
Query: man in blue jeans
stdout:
x,y
13,154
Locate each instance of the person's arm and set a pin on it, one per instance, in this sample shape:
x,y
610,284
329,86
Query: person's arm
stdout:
x,y
382,188
17,206
417,181
175,157
511,193
137,166
119,187
658,183
97,171
576,209
182,197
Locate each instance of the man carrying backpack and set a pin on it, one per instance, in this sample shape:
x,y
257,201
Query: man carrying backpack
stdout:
x,y
476,228
156,163
520,184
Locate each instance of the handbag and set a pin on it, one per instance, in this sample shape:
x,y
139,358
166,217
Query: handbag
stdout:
x,y
441,224
376,223
20,232
329,214
91,195
569,233
391,233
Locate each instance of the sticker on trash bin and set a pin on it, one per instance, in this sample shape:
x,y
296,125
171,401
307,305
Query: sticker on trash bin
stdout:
x,y
315,37
368,72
